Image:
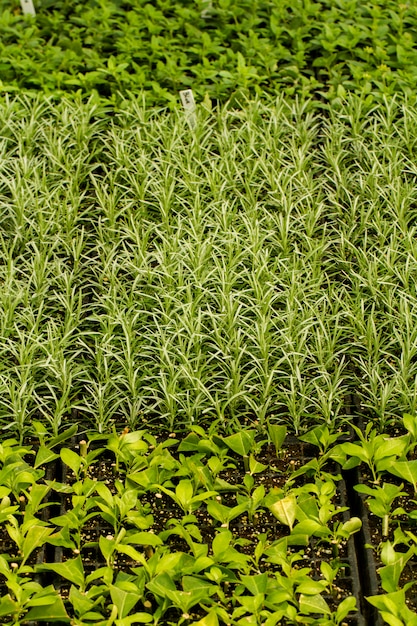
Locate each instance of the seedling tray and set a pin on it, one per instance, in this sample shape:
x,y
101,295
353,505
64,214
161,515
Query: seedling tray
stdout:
x,y
268,475
297,454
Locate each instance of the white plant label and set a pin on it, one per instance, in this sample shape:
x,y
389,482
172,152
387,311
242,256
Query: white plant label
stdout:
x,y
27,7
188,102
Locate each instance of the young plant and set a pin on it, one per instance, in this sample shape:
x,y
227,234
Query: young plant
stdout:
x,y
184,495
224,514
121,507
242,443
377,451
380,502
80,463
277,434
321,437
393,608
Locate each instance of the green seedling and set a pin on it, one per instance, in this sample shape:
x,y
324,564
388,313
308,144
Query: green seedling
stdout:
x,y
189,531
34,500
79,463
121,507
293,585
251,605
380,502
128,446
126,543
393,608
27,599
45,452
252,502
321,437
283,506
410,425
407,470
194,590
329,571
164,570
193,468
157,469
77,516
224,552
277,434
255,467
28,536
217,465
315,512
378,452
224,514
185,496
202,442
242,443
394,563
72,569
18,476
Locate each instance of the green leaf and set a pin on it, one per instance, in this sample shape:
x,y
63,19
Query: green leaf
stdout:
x,y
315,604
81,603
35,537
312,587
407,470
389,602
132,552
389,447
285,509
7,606
161,585
221,542
390,576
185,600
184,492
53,612
143,538
124,600
365,489
107,546
36,496
172,562
348,605
277,435
194,584
252,604
255,584
351,526
204,496
189,443
72,570
241,442
105,573
225,514
67,434
254,466
310,527
44,455
105,494
355,450
71,458
410,424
